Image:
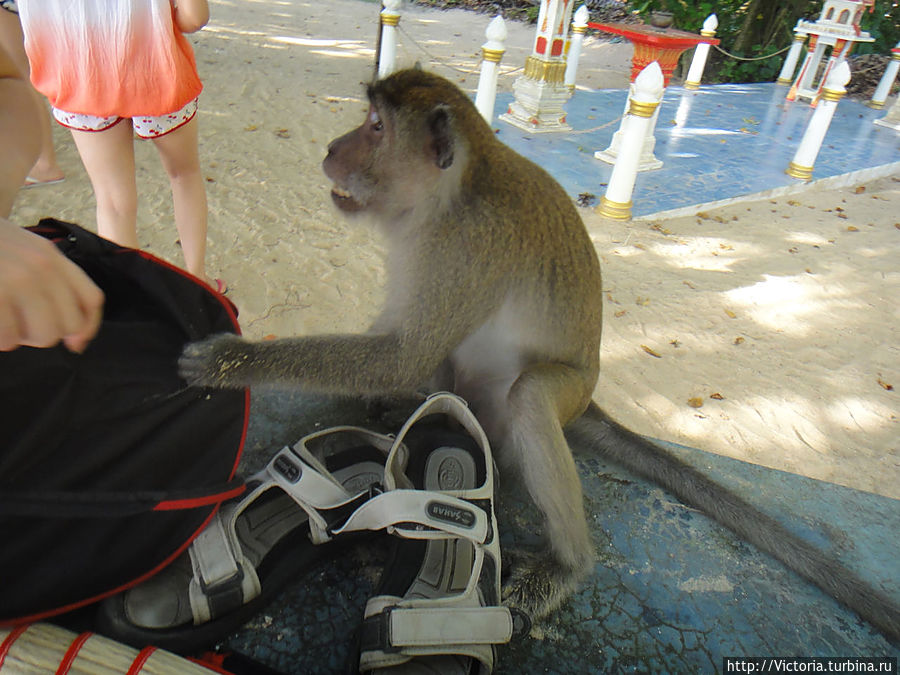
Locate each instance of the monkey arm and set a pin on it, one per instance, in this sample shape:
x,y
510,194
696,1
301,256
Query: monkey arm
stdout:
x,y
353,364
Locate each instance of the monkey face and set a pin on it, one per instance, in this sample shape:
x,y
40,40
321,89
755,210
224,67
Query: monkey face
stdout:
x,y
350,161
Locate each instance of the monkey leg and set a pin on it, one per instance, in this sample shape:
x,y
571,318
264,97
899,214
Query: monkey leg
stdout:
x,y
542,400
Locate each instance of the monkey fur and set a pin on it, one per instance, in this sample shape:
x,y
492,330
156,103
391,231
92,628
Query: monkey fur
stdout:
x,y
493,293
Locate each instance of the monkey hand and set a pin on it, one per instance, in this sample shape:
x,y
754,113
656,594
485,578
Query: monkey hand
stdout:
x,y
221,361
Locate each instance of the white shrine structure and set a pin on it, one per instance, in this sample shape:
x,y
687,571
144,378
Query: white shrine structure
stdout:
x,y
541,92
838,28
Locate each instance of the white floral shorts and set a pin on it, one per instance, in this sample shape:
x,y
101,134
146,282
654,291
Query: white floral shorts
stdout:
x,y
145,126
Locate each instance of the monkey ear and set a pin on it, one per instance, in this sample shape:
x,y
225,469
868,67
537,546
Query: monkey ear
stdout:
x,y
441,135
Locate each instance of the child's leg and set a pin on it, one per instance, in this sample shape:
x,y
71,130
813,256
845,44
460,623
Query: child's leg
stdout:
x,y
181,160
108,158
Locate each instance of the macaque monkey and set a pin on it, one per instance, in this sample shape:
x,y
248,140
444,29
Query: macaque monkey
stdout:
x,y
493,293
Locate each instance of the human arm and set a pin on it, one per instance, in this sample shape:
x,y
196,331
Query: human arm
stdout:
x,y
20,132
191,15
44,297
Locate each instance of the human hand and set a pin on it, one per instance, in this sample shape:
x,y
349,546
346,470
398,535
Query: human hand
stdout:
x,y
45,298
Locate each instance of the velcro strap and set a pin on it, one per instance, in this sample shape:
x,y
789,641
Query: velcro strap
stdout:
x,y
304,483
396,628
220,583
446,514
213,556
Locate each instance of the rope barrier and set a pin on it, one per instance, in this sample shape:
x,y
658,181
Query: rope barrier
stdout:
x,y
754,58
444,62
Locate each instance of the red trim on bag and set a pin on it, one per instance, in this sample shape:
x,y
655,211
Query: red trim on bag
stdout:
x,y
196,502
124,587
225,302
231,310
7,644
140,660
72,653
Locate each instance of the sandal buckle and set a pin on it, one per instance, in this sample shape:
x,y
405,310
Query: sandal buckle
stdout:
x,y
224,595
375,633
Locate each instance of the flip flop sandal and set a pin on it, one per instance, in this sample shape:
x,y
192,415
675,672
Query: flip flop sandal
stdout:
x,y
438,606
255,545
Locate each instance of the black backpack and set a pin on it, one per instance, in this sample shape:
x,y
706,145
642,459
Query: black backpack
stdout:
x,y
109,464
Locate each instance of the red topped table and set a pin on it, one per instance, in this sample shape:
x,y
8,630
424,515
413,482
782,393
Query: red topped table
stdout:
x,y
664,45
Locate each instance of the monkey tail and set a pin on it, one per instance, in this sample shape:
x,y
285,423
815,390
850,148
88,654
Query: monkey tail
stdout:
x,y
596,431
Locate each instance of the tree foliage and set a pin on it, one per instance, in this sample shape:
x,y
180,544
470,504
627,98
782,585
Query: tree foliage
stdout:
x,y
749,29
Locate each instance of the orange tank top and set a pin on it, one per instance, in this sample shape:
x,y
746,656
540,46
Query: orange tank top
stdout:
x,y
109,57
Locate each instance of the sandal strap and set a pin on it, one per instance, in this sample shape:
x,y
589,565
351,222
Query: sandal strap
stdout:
x,y
404,511
223,579
434,628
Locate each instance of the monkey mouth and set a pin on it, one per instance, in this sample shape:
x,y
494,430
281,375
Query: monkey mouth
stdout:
x,y
344,200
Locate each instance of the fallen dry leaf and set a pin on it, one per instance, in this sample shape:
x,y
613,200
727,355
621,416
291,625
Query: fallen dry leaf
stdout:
x,y
620,313
696,402
650,351
852,228
717,396
270,336
860,189
885,385
731,315
738,340
643,302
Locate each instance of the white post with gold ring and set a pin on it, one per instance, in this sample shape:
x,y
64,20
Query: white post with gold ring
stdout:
x,y
492,52
701,52
647,93
390,18
786,76
579,28
883,90
801,166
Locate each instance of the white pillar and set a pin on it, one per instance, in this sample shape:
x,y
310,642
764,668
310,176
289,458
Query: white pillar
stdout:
x,y
579,27
390,17
701,51
887,80
892,119
647,94
802,165
786,76
492,52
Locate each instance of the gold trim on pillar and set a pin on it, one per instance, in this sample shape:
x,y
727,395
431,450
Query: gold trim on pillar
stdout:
x,y
784,80
553,72
832,95
641,109
878,105
390,19
691,85
615,210
798,171
492,55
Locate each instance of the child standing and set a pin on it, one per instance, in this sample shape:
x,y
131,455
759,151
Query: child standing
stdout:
x,y
100,62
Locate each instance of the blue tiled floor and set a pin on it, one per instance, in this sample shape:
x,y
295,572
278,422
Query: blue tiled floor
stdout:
x,y
671,592
718,143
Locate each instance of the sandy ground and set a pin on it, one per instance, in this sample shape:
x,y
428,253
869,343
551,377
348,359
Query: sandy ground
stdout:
x,y
764,331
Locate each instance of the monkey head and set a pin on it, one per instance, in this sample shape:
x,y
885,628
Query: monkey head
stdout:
x,y
408,148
